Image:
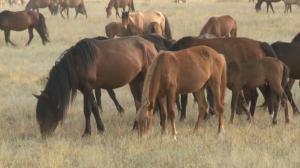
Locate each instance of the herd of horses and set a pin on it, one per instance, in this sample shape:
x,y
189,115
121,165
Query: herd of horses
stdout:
x,y
160,71
287,4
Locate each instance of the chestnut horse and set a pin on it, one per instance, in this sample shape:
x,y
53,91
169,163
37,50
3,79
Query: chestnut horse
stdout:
x,y
19,21
91,64
269,3
220,26
115,29
138,22
182,72
254,73
234,49
119,4
36,4
77,4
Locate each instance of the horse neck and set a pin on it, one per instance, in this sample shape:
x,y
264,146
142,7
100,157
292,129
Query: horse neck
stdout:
x,y
111,4
259,2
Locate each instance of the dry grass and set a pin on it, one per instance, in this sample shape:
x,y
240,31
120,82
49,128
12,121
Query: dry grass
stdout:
x,y
23,71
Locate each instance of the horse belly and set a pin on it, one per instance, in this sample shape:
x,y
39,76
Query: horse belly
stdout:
x,y
22,24
192,82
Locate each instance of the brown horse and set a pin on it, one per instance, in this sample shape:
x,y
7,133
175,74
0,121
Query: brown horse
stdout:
x,y
220,26
138,22
91,64
19,21
119,4
254,73
269,3
77,4
155,28
234,49
182,72
115,29
36,4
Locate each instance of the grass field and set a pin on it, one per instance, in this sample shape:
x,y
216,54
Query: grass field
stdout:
x,y
23,71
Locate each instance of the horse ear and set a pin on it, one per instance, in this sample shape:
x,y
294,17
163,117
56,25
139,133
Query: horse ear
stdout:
x,y
36,96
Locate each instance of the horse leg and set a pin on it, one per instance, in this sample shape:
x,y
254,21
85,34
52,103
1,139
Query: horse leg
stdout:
x,y
291,100
117,12
136,93
171,108
98,98
234,99
76,10
178,104
202,106
253,97
291,83
7,40
272,7
68,13
30,31
244,106
87,115
184,99
210,99
113,97
290,8
275,105
163,114
61,12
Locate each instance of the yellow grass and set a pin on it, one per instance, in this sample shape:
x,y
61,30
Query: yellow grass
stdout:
x,y
23,71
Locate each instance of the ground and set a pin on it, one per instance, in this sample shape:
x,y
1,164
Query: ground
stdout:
x,y
23,71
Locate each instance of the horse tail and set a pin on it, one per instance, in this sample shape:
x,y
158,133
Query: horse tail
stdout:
x,y
223,81
167,28
42,29
132,6
153,28
268,50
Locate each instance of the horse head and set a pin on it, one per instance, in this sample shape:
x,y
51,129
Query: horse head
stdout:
x,y
125,20
257,7
108,12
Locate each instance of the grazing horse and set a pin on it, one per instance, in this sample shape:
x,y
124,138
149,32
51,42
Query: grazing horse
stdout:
x,y
119,4
182,72
288,5
77,4
234,49
269,3
254,73
91,64
155,28
220,26
115,29
19,21
138,22
36,4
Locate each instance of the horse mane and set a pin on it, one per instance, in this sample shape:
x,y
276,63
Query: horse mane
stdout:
x,y
111,3
62,84
296,38
183,40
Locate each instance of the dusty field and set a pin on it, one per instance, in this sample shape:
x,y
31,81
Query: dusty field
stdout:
x,y
23,71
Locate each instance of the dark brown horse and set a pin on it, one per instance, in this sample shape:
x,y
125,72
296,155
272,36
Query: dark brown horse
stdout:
x,y
255,73
19,21
234,49
182,72
36,4
77,4
91,64
269,3
220,26
119,4
296,39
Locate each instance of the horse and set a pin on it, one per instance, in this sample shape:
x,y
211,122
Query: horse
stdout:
x,y
77,4
36,4
115,29
88,65
155,28
269,3
177,1
119,4
182,72
296,39
21,20
234,49
220,26
138,22
2,3
254,73
288,5
159,41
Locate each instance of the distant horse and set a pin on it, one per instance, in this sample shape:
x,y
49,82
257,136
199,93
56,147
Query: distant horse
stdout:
x,y
36,4
220,26
77,4
154,27
288,5
19,21
254,73
115,29
15,2
269,3
2,2
252,1
233,49
177,1
91,64
182,72
119,4
138,22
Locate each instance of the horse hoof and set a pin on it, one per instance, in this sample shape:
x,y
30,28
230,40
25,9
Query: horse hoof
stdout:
x,y
182,118
85,135
287,121
120,109
230,122
274,122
